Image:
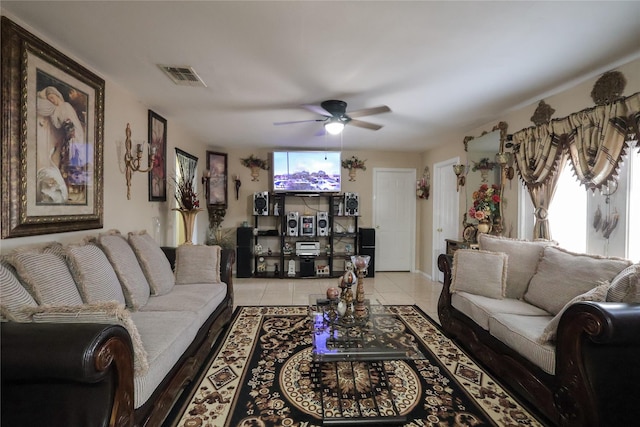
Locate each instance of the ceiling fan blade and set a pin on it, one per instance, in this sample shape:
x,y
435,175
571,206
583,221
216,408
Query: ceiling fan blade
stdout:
x,y
369,111
298,121
366,125
316,109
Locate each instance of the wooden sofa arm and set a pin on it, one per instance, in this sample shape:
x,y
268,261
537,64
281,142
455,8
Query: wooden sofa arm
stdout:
x,y
66,374
597,364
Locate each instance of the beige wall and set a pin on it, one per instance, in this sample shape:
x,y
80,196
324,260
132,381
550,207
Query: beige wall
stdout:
x,y
568,101
240,210
122,107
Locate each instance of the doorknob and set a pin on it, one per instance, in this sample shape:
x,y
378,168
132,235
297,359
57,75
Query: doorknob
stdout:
x,y
439,230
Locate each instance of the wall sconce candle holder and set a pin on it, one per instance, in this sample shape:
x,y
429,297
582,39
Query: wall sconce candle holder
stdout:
x,y
505,160
133,163
460,171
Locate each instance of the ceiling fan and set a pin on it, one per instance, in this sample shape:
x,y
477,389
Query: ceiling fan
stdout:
x,y
335,116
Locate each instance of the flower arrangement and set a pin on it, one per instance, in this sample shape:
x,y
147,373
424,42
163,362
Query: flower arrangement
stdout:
x,y
483,164
486,203
254,162
185,194
354,163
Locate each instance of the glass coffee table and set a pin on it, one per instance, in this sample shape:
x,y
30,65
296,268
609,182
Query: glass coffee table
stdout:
x,y
356,363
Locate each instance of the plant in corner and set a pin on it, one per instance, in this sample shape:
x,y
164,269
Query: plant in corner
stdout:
x,y
185,193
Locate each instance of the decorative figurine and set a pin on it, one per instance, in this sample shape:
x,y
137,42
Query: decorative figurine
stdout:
x,y
361,263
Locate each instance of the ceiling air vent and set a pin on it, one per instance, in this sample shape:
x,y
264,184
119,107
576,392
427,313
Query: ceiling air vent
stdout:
x,y
182,75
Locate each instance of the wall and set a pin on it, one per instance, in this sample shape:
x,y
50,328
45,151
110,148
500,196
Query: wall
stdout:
x,y
566,102
241,210
122,107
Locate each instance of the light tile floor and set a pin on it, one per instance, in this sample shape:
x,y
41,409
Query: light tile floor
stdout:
x,y
386,287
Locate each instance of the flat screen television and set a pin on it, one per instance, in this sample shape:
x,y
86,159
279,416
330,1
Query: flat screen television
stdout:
x,y
306,171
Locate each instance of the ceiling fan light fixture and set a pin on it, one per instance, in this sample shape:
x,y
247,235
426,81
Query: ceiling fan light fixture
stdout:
x,y
334,126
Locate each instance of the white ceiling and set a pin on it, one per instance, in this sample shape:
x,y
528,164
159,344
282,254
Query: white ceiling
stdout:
x,y
440,66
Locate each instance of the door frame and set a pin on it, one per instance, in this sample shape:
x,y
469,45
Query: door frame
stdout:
x,y
412,173
445,166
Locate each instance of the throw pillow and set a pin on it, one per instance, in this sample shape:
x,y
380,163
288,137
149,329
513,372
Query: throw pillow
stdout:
x,y
154,263
13,296
599,293
45,274
197,264
523,260
125,263
563,275
623,288
479,272
92,271
109,313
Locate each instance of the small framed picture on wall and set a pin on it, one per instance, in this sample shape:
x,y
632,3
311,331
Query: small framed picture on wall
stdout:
x,y
158,173
216,179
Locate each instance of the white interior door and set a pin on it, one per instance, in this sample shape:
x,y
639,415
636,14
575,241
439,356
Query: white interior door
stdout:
x,y
446,211
394,218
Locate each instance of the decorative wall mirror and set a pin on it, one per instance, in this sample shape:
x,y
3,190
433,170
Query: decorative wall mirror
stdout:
x,y
486,166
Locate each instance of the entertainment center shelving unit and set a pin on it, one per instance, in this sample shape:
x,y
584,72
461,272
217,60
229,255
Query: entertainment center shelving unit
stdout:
x,y
272,236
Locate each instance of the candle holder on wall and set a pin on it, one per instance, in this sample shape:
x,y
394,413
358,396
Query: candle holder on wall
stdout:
x,y
133,163
460,171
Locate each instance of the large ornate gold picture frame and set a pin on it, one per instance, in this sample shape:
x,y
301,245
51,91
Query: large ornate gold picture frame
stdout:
x,y
52,139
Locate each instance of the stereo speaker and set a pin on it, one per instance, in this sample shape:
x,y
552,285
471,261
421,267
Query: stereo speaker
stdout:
x,y
292,223
367,246
244,258
261,203
351,204
322,224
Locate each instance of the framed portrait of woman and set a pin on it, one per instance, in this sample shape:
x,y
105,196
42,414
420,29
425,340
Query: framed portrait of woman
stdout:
x,y
52,139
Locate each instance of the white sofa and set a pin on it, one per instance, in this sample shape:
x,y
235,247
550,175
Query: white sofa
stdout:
x,y
111,280
532,311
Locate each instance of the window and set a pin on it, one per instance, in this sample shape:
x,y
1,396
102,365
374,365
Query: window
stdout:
x,y
567,219
572,214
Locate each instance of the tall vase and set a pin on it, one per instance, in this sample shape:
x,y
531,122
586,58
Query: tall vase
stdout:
x,y
189,220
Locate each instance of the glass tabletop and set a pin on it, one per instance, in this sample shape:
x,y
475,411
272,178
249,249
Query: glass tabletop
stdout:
x,y
380,335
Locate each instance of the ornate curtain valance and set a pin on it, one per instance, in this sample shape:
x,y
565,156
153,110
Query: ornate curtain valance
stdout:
x,y
536,150
596,139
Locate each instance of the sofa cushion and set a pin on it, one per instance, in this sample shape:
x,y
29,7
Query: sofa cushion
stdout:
x,y
108,312
154,263
125,263
197,264
599,293
13,296
563,275
479,272
165,337
92,271
523,260
45,274
200,298
521,333
624,286
480,308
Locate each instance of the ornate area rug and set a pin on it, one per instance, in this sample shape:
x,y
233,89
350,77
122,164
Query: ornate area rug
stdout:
x,y
262,375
